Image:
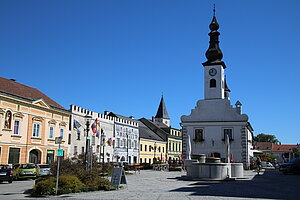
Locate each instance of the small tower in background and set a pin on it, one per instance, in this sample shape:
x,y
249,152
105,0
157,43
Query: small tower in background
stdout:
x,y
162,113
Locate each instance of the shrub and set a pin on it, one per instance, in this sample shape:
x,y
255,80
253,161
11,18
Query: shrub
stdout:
x,y
44,187
103,183
69,183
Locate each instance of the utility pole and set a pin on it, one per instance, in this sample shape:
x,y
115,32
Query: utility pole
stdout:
x,y
58,140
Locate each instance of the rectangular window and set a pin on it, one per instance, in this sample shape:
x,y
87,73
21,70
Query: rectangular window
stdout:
x,y
141,147
17,127
170,146
145,147
61,133
36,130
163,150
78,136
228,131
150,148
14,155
199,137
51,132
118,142
75,150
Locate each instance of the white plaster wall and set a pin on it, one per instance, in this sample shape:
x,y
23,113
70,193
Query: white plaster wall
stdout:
x,y
218,91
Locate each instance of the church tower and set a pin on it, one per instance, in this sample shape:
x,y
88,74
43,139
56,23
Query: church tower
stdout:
x,y
214,79
162,113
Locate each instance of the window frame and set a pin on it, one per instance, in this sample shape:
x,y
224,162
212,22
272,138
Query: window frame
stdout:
x,y
196,136
52,132
36,127
19,125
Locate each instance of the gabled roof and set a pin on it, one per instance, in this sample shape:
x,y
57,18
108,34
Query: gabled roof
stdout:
x,y
264,146
147,133
162,110
151,125
14,88
121,117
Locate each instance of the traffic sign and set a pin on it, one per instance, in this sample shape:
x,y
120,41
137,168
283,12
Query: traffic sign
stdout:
x,y
60,152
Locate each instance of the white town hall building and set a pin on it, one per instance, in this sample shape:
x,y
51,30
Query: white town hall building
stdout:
x,y
214,116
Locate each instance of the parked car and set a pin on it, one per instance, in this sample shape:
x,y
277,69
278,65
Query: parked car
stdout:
x,y
25,170
6,173
44,169
291,167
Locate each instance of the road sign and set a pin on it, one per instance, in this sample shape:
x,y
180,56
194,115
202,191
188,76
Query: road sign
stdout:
x,y
58,140
60,152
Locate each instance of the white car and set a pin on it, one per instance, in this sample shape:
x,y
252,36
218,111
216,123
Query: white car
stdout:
x,y
44,169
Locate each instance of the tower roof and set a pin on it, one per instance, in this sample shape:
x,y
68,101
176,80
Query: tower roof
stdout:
x,y
214,54
162,110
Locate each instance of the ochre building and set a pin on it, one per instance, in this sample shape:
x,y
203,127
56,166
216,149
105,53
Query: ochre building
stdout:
x,y
29,123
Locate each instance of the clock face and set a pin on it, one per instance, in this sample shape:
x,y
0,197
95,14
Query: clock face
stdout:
x,y
212,71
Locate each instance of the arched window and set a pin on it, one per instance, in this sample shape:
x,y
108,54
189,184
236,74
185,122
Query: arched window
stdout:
x,y
212,83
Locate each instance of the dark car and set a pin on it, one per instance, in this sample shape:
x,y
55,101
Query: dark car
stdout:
x,y
291,167
6,173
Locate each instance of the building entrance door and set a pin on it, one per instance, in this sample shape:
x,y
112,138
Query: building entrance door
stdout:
x,y
35,156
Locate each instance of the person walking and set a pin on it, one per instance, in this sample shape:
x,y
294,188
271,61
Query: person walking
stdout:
x,y
258,164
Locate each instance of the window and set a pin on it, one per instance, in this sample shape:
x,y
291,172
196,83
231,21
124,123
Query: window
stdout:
x,y
36,130
14,155
17,127
118,142
163,150
150,147
51,132
170,146
173,147
78,135
61,132
141,147
158,149
69,139
228,131
145,160
82,149
145,147
212,83
199,137
75,150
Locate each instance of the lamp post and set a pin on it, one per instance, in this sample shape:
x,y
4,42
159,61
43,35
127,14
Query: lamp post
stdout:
x,y
155,146
102,143
87,143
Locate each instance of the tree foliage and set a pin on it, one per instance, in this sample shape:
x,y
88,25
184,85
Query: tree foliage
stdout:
x,y
266,138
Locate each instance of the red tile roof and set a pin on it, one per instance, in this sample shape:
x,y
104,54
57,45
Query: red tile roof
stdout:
x,y
20,90
283,147
263,146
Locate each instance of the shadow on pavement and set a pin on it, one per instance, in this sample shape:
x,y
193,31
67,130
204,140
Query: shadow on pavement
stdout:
x,y
272,184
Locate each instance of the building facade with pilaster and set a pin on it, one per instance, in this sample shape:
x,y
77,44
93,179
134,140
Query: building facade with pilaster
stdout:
x,y
29,123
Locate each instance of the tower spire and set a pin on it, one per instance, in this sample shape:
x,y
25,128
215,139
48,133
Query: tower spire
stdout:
x,y
214,54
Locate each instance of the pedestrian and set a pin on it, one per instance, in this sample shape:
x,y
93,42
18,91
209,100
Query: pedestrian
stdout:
x,y
258,164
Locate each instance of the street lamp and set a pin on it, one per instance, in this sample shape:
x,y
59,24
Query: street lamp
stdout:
x,y
102,139
155,146
87,143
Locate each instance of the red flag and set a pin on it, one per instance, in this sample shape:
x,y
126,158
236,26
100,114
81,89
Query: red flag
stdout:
x,y
94,126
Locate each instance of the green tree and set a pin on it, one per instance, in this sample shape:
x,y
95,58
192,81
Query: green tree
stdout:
x,y
266,138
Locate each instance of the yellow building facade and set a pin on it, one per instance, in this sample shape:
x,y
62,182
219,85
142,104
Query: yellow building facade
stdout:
x,y
151,150
29,123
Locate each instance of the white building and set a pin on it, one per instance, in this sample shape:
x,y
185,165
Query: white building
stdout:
x,y
126,135
78,136
214,116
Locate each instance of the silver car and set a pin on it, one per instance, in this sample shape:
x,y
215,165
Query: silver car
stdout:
x,y
44,169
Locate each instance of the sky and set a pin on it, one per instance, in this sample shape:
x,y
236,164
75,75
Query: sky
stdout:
x,y
121,55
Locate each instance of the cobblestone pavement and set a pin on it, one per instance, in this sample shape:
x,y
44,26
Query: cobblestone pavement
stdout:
x,y
162,185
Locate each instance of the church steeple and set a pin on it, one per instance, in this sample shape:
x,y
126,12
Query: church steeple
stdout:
x,y
162,113
214,54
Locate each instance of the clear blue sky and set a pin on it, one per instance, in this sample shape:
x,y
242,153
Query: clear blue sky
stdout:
x,y
120,55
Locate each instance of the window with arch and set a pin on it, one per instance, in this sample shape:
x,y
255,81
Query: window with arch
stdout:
x,y
212,83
